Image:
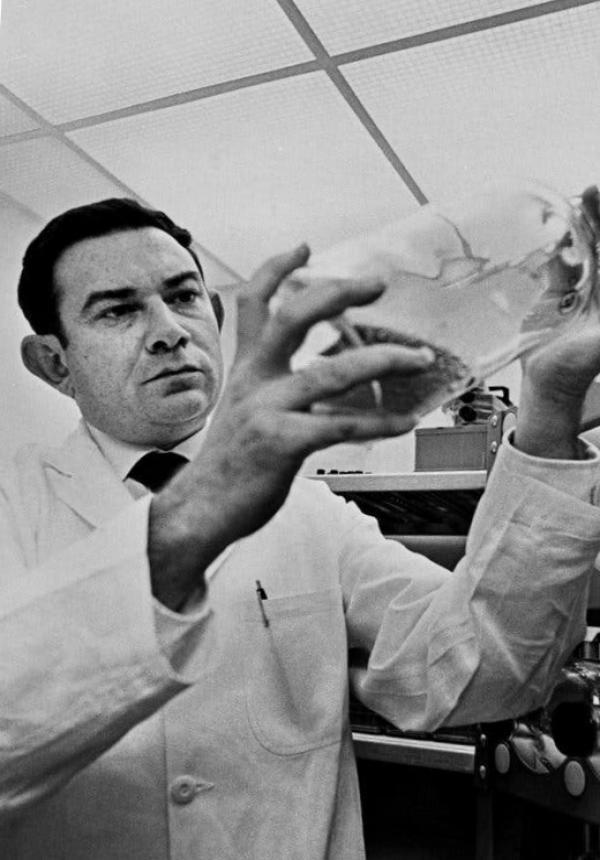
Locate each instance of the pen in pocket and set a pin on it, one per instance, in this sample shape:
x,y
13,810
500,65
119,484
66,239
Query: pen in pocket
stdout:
x,y
261,595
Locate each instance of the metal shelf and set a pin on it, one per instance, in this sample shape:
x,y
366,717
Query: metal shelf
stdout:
x,y
437,755
404,481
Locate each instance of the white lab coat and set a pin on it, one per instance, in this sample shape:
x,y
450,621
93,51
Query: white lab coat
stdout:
x,y
255,759
84,652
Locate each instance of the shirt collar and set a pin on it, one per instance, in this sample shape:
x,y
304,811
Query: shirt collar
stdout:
x,y
122,456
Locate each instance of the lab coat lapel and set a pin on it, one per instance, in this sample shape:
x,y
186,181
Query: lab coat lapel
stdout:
x,y
83,479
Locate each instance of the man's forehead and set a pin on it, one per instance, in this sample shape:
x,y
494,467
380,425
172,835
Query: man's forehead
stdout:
x,y
124,258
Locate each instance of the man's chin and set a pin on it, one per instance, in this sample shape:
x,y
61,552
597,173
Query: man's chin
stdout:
x,y
183,410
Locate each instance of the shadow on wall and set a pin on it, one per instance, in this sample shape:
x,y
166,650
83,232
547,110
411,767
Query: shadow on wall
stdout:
x,y
31,412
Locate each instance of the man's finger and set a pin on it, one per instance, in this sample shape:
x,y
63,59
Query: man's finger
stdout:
x,y
253,298
268,277
335,375
314,432
324,300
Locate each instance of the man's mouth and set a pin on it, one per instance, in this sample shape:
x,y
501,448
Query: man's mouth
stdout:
x,y
175,371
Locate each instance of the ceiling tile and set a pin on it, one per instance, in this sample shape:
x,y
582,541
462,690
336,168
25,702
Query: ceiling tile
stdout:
x,y
12,119
520,100
254,172
103,56
47,177
344,25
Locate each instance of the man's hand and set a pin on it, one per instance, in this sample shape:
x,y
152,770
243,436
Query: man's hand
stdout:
x,y
263,427
553,390
556,378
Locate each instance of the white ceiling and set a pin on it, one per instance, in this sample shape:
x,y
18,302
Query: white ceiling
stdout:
x,y
262,123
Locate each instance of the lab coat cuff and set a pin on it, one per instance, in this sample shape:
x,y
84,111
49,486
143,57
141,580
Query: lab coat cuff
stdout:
x,y
181,637
577,478
104,581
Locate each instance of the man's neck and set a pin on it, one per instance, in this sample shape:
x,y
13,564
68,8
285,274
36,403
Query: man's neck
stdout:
x,y
122,455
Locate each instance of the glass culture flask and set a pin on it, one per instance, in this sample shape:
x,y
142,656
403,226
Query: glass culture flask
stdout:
x,y
481,281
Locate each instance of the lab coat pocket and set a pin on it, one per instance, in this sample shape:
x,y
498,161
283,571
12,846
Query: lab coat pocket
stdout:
x,y
296,669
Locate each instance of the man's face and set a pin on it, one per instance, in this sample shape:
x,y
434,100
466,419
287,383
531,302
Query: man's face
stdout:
x,y
143,352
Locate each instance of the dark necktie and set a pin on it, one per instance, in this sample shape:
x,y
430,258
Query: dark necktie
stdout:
x,y
156,468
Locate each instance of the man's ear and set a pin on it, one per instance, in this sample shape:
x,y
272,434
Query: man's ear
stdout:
x,y
218,308
44,356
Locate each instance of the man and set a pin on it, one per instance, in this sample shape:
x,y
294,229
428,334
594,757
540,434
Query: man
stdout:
x,y
174,664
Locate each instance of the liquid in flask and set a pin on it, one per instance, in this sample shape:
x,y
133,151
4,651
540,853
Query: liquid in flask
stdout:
x,y
481,281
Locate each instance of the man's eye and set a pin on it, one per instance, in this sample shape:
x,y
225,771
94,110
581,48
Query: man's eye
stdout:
x,y
117,312
186,297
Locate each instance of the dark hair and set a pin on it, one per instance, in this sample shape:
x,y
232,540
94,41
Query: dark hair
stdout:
x,y
37,291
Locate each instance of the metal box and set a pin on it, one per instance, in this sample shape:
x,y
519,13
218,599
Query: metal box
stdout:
x,y
472,446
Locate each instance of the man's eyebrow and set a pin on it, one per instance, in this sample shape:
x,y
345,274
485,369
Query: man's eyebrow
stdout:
x,y
182,277
124,293
107,295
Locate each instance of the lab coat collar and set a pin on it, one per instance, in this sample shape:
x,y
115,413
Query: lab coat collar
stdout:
x,y
83,478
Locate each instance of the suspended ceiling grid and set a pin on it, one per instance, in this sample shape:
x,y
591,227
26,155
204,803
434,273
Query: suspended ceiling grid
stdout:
x,y
262,123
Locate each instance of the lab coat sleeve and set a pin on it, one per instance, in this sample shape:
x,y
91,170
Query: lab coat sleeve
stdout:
x,y
484,642
85,654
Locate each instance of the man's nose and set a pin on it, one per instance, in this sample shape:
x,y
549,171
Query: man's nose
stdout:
x,y
164,331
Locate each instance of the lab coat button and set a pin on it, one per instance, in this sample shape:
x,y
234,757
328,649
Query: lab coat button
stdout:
x,y
574,778
183,790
